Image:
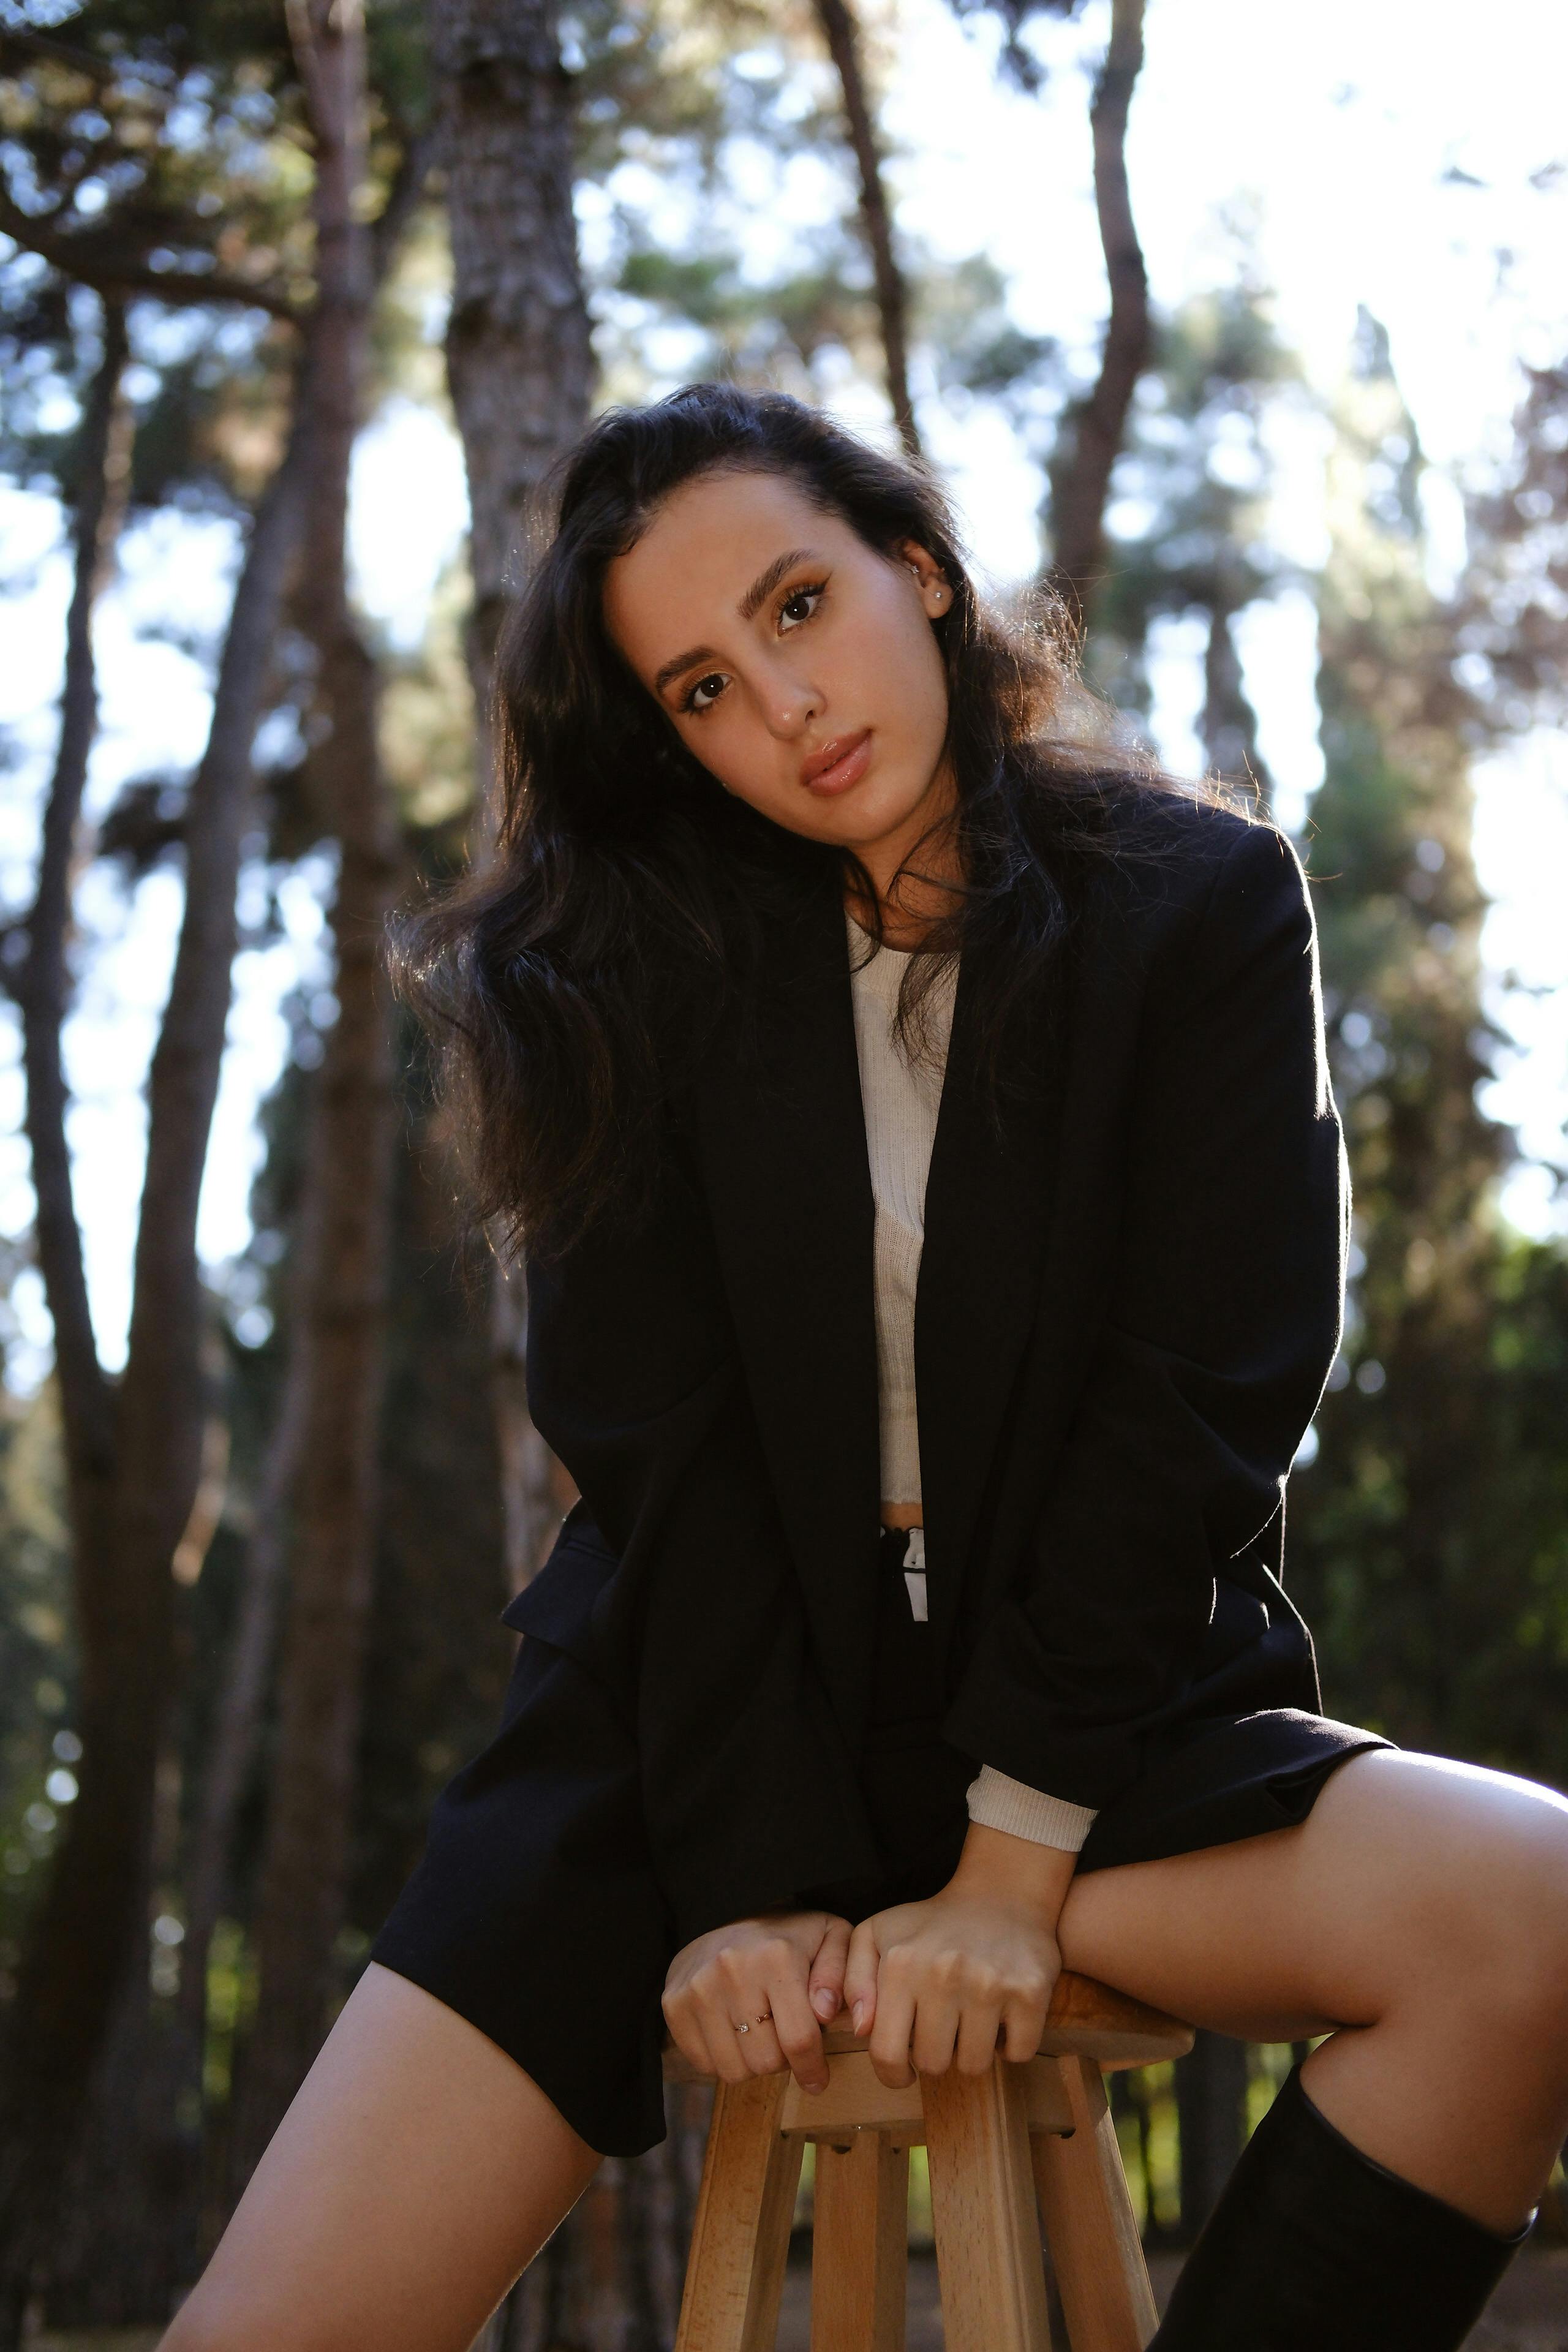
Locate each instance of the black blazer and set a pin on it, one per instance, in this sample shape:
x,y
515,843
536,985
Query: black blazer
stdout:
x,y
1129,1298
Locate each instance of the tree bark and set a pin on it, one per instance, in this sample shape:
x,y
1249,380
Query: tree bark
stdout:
x,y
241,1702
842,35
43,989
87,1408
90,1925
519,358
521,366
1211,2108
1229,723
1093,429
238,1716
342,1326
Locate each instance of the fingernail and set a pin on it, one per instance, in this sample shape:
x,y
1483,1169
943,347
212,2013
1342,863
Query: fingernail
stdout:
x,y
859,2015
824,2001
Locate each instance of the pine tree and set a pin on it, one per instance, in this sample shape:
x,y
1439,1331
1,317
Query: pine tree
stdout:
x,y
1428,1538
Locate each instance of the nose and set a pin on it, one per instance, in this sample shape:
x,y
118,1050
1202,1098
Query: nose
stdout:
x,y
788,702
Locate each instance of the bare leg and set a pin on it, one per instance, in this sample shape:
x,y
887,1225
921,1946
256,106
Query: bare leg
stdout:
x,y
417,2173
1422,1910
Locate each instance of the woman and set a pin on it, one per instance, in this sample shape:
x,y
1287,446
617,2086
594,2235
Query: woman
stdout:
x,y
898,1656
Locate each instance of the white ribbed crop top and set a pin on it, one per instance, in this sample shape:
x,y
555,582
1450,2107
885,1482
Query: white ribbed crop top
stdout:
x,y
900,1098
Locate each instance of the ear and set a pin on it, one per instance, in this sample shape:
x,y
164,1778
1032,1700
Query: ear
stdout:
x,y
936,595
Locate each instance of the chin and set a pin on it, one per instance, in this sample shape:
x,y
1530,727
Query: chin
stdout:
x,y
879,814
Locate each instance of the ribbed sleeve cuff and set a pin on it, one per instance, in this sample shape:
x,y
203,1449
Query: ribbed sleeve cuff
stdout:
x,y
997,1802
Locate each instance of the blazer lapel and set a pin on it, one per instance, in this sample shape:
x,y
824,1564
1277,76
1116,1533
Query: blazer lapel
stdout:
x,y
987,1215
781,1136
782,1140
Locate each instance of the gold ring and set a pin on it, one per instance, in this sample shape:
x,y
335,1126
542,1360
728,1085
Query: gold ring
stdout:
x,y
742,2029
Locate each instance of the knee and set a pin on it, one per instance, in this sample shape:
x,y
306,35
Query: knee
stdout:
x,y
1506,1908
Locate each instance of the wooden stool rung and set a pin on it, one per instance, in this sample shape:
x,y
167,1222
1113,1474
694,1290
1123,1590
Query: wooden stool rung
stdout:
x,y
859,2255
1101,2276
987,2240
856,2101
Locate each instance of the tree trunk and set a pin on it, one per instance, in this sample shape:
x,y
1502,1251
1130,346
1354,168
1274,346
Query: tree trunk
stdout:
x,y
1093,429
1211,2107
86,1400
118,2240
519,359
842,35
521,366
1229,723
341,1326
91,1925
237,1715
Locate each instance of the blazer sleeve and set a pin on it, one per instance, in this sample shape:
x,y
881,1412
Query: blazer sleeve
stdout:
x,y
1225,1310
634,1380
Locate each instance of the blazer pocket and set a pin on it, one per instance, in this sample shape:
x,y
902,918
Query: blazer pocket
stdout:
x,y
559,1605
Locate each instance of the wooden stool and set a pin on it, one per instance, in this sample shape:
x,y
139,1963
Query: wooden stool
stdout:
x,y
984,2136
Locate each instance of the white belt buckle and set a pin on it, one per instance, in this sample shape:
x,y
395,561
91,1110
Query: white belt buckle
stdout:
x,y
915,1575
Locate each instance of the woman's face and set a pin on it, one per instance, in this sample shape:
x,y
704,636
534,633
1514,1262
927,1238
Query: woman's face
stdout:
x,y
795,662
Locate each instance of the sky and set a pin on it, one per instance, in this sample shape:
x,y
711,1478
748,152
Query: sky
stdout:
x,y
1381,156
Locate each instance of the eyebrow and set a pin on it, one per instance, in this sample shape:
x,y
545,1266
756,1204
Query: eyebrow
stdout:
x,y
751,604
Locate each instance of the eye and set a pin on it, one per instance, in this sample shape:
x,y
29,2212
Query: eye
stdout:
x,y
704,692
801,603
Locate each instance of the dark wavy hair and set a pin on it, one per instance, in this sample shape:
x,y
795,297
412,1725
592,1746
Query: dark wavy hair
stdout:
x,y
571,982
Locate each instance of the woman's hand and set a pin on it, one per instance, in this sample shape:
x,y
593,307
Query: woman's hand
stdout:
x,y
937,1982
781,1975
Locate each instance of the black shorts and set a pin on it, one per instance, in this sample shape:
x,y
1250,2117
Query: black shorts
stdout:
x,y
535,1912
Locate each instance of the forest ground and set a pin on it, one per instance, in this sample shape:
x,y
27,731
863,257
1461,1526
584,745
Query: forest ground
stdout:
x,y
1529,2313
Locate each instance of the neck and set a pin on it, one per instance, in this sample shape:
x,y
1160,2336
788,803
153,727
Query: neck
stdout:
x,y
909,902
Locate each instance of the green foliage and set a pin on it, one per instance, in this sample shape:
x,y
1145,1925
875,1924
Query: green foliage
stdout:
x,y
135,141
1429,1539
1189,525
1516,604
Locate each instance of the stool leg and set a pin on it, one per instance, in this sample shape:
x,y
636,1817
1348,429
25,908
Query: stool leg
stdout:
x,y
860,2254
740,2240
1101,2275
987,2235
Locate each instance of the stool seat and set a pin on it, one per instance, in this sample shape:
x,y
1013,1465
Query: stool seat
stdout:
x,y
994,2142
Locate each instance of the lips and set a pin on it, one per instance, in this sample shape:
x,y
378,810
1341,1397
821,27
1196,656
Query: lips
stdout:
x,y
840,763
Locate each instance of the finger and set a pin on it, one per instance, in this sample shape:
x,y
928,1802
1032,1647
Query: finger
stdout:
x,y
892,2026
733,2000
860,1977
938,2013
1023,2022
725,2047
974,2045
759,2043
799,2034
686,2032
827,1978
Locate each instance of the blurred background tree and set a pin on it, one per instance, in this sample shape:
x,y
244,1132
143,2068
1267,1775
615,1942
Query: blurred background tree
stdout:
x,y
251,1565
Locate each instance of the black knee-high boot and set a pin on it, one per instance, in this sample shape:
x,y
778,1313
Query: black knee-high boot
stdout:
x,y
1314,2247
